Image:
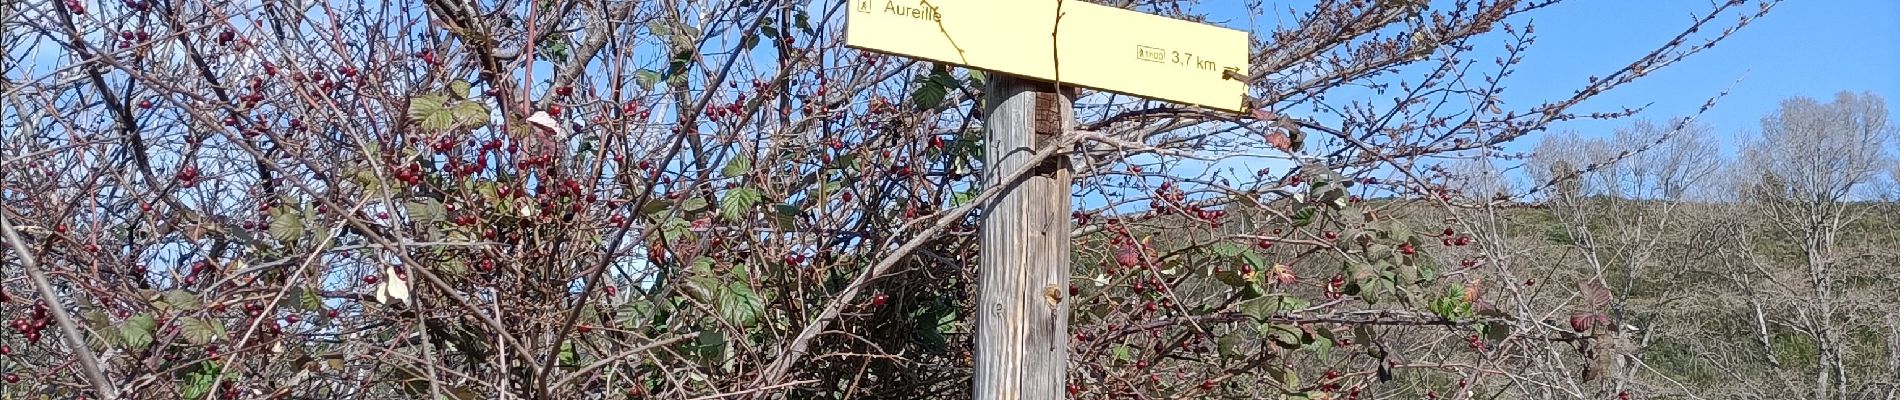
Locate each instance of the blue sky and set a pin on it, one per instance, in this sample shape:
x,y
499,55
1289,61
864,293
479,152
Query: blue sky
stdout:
x,y
1802,48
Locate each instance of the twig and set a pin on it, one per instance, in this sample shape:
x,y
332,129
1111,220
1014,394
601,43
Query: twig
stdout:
x,y
796,350
87,362
753,390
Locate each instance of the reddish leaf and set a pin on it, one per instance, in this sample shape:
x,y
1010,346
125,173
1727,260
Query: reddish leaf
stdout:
x,y
1128,255
1581,321
1594,292
1278,139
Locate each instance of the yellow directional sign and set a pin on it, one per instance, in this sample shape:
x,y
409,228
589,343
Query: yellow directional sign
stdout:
x,y
1096,46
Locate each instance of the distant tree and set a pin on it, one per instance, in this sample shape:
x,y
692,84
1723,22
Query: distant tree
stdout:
x,y
1804,252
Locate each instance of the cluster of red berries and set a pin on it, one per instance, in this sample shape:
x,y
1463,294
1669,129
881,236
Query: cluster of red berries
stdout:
x,y
1167,197
197,269
31,326
187,176
1453,239
1335,287
722,111
409,174
634,110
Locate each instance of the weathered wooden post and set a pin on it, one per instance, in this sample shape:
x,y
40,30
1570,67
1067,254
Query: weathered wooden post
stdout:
x,y
1022,321
1022,308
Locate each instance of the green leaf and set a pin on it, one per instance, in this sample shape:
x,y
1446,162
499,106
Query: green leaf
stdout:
x,y
300,298
181,300
1231,277
738,202
286,224
646,78
137,331
749,42
1227,249
711,344
1287,377
785,215
470,114
201,331
555,48
1293,303
929,96
739,165
198,382
427,211
1260,308
1229,345
802,21
1495,331
1322,348
1286,336
739,304
658,27
1124,353
567,355
693,205
1254,259
934,88
459,88
431,110
422,106
958,199
1304,216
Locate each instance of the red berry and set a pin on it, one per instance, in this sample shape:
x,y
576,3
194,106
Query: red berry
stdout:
x,y
554,110
880,299
370,279
564,90
12,378
584,328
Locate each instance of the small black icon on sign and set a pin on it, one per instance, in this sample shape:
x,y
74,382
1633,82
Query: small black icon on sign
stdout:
x,y
864,6
1151,54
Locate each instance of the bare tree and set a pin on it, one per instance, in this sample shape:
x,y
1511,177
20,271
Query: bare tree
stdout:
x,y
1800,251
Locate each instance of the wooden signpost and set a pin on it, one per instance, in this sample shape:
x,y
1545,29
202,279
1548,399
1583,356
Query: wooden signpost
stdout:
x,y
1069,42
1033,47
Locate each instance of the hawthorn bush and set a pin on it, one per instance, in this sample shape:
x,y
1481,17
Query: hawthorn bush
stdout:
x,y
625,199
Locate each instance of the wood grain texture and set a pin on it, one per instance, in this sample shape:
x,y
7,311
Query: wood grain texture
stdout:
x,y
1022,335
